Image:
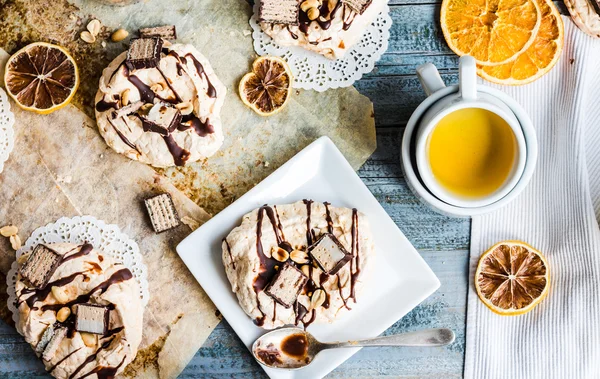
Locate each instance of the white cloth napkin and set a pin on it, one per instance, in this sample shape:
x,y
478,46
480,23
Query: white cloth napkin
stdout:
x,y
557,214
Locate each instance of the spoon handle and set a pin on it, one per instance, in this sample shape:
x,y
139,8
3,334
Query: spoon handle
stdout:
x,y
425,337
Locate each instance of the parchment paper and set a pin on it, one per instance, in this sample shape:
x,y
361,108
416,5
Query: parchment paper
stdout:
x,y
62,167
254,146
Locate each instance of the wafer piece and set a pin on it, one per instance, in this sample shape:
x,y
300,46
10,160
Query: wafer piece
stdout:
x,y
45,340
359,6
166,32
162,212
329,253
162,119
144,53
40,266
286,285
52,346
91,318
279,12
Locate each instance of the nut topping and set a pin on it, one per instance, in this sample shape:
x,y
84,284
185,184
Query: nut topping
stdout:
x,y
309,4
60,295
87,37
8,230
317,299
94,27
15,242
119,35
157,87
313,13
280,254
305,270
63,314
299,256
185,108
89,339
125,97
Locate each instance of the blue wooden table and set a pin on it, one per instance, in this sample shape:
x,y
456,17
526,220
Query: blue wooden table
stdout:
x,y
443,242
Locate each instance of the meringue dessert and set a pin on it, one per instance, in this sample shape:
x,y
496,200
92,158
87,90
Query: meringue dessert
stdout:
x,y
299,263
79,310
327,27
160,104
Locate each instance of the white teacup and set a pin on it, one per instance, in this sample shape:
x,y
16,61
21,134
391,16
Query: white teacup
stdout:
x,y
466,97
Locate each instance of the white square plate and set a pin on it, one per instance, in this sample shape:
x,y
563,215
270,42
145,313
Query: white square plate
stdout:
x,y
398,281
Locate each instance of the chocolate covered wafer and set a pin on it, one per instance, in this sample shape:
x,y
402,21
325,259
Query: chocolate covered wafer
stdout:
x,y
286,285
359,6
144,53
162,212
40,266
51,348
279,11
91,318
329,253
165,31
44,339
162,119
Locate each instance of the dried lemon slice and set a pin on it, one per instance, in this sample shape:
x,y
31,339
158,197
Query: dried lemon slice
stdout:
x,y
267,88
492,31
538,59
512,278
41,77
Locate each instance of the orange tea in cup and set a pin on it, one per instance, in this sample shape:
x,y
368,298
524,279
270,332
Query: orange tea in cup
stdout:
x,y
472,152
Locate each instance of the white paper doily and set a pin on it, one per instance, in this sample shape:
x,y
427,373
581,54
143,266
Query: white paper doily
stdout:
x,y
313,71
7,134
107,238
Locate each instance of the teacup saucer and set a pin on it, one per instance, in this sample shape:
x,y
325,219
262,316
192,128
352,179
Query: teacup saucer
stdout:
x,y
409,166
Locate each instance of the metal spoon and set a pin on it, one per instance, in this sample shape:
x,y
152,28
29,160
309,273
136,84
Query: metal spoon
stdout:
x,y
295,348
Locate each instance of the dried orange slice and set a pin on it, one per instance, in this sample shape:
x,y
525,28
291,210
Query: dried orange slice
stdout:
x,y
512,278
538,59
268,87
492,31
41,77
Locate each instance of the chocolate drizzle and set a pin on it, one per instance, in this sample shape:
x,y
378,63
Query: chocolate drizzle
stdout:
x,y
180,155
328,218
324,20
211,91
267,265
229,251
42,294
104,372
125,140
355,254
117,277
146,93
62,360
310,236
85,249
103,105
191,121
90,359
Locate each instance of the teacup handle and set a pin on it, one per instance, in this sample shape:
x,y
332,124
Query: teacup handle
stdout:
x,y
430,78
467,77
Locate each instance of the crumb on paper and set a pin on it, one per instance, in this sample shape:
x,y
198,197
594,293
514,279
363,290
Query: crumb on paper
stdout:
x,y
247,33
266,164
66,179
